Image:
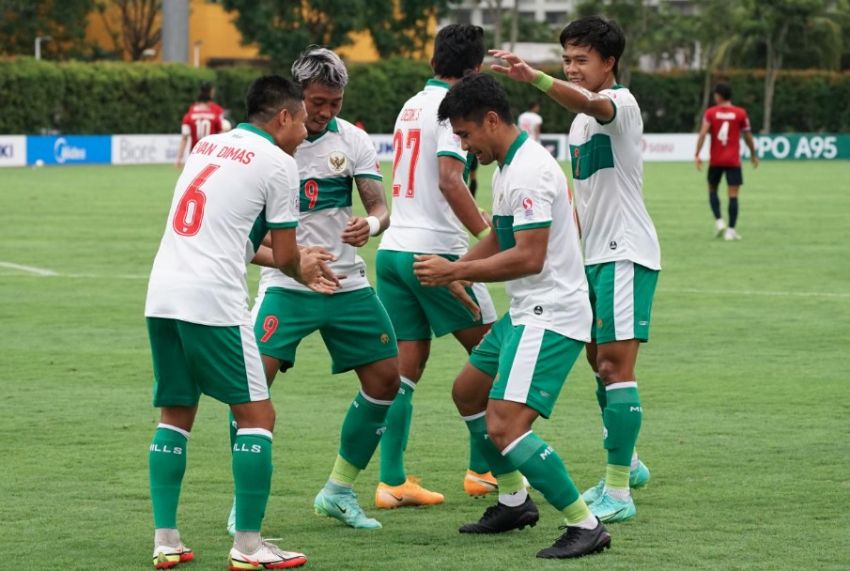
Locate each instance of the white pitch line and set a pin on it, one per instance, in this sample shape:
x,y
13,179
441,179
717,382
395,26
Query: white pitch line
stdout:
x,y
758,292
28,269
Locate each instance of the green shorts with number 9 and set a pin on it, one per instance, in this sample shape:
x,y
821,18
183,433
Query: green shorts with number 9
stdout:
x,y
529,364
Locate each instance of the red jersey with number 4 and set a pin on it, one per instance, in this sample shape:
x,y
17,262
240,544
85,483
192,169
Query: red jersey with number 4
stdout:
x,y
202,119
727,122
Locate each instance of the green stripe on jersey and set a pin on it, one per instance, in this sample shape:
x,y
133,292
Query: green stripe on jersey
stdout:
x,y
594,155
504,227
259,230
321,193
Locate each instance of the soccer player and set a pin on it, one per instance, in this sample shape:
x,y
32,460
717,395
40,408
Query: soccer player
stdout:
x,y
726,123
432,209
621,252
204,117
517,371
353,323
531,121
197,314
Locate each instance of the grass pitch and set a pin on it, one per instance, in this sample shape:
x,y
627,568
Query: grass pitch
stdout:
x,y
744,385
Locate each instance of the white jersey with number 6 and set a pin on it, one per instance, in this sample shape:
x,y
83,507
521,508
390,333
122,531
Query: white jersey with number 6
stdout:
x,y
421,219
229,180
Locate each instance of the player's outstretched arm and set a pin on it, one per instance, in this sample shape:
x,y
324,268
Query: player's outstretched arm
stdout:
x,y
181,151
754,157
572,97
458,196
360,229
524,259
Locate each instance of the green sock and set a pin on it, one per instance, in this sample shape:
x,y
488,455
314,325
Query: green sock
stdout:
x,y
601,396
622,416
252,475
394,440
496,463
544,469
576,512
617,477
362,428
167,464
344,472
233,428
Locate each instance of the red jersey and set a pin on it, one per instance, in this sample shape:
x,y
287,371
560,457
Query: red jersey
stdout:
x,y
726,122
200,120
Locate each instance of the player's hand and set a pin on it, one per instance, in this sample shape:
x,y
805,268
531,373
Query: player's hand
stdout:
x,y
698,162
755,160
314,271
356,232
458,289
433,271
515,69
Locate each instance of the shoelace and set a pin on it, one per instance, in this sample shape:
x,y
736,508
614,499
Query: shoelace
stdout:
x,y
493,510
566,538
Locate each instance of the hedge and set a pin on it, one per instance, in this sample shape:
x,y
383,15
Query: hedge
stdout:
x,y
115,97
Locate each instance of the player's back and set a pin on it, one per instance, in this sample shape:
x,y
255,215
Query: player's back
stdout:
x,y
421,219
203,119
726,122
229,180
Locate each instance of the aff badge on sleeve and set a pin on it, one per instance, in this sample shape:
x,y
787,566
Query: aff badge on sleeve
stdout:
x,y
528,206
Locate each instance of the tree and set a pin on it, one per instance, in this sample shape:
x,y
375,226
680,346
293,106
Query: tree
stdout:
x,y
780,24
402,27
284,28
133,25
21,21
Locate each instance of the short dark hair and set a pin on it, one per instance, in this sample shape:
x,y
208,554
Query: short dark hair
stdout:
x,y
724,90
534,104
473,97
269,94
458,49
604,36
205,91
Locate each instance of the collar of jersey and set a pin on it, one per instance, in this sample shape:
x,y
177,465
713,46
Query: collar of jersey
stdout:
x,y
617,86
436,83
256,130
332,127
520,139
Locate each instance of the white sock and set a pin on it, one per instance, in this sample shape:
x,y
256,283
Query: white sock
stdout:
x,y
618,493
247,542
515,499
590,522
169,537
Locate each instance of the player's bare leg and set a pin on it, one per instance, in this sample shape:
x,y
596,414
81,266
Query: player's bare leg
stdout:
x,y
362,428
731,233
167,461
396,488
617,394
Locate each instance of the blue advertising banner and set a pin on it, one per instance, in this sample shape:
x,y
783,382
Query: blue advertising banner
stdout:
x,y
69,149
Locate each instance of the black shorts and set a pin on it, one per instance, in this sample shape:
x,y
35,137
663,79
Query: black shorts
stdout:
x,y
734,177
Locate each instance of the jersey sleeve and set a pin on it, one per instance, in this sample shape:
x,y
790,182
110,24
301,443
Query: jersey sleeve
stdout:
x,y
745,121
282,200
706,117
626,113
531,204
366,160
186,125
448,144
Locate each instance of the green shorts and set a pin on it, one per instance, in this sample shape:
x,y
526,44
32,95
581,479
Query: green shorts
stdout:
x,y
529,364
621,295
354,326
190,359
416,310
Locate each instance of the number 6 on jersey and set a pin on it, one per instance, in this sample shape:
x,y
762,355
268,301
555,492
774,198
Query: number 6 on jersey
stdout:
x,y
190,210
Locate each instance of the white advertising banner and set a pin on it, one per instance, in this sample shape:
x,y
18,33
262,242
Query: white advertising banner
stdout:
x,y
13,150
672,147
144,149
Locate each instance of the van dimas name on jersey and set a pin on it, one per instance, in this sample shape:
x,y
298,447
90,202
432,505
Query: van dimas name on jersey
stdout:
x,y
232,153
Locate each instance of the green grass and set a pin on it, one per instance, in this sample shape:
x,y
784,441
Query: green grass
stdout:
x,y
744,386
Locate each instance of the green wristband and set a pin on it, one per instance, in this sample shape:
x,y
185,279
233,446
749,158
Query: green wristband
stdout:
x,y
543,82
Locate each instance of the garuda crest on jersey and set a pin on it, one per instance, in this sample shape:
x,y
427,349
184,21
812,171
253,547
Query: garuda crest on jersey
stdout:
x,y
337,162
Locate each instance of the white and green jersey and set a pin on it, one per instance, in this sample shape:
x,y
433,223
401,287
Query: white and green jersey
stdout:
x,y
230,180
530,191
327,165
421,219
608,178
